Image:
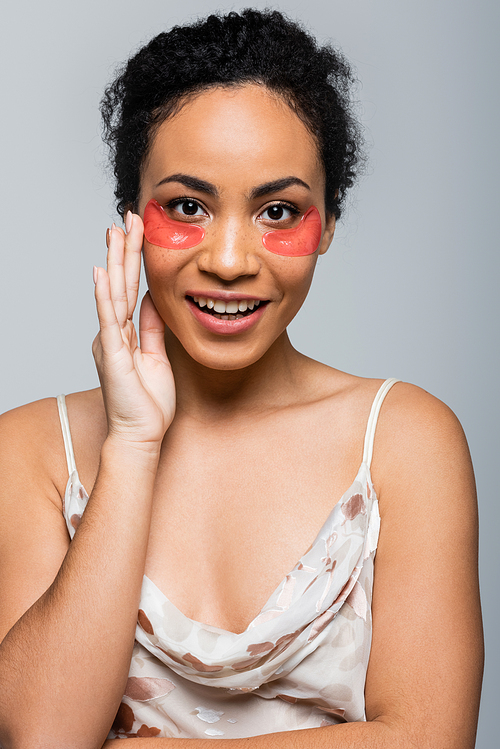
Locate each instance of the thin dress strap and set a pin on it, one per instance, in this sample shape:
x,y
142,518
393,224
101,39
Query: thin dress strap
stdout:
x,y
68,444
372,419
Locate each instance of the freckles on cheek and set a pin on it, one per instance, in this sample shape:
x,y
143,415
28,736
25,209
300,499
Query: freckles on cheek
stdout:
x,y
162,231
303,240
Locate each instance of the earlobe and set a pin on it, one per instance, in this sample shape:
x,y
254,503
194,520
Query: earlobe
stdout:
x,y
330,223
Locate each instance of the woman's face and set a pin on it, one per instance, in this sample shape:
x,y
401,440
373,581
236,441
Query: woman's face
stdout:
x,y
239,164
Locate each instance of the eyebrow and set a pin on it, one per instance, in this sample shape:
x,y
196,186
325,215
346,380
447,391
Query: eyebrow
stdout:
x,y
192,182
257,192
275,186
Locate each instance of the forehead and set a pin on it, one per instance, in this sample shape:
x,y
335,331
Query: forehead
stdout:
x,y
234,136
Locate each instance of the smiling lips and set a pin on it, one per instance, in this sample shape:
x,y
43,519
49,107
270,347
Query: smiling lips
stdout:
x,y
232,310
217,315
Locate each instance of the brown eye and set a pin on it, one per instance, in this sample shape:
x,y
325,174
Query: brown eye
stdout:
x,y
275,212
188,207
279,212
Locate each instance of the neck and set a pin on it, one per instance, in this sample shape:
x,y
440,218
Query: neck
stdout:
x,y
271,382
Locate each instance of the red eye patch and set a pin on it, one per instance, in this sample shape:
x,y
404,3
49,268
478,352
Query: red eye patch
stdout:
x,y
303,240
163,231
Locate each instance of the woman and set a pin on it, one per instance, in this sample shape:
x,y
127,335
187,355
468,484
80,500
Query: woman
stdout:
x,y
203,477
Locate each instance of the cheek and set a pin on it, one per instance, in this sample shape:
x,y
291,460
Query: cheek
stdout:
x,y
293,277
303,240
162,268
162,231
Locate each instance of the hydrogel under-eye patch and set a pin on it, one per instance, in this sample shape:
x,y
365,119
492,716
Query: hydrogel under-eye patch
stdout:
x,y
162,231
304,239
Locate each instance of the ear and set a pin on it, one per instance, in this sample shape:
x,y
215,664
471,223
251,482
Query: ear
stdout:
x,y
326,240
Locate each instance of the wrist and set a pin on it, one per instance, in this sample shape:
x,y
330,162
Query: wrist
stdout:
x,y
135,453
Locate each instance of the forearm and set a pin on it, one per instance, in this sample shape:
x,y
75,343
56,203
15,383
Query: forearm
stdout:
x,y
66,660
363,735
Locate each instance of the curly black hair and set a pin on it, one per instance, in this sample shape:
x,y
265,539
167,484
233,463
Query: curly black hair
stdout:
x,y
253,46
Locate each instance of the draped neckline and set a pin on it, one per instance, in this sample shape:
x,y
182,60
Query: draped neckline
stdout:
x,y
328,524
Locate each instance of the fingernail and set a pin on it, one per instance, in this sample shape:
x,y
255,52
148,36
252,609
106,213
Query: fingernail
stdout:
x,y
95,274
128,221
113,225
107,238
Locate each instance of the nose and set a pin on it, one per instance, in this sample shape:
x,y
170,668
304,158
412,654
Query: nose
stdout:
x,y
229,251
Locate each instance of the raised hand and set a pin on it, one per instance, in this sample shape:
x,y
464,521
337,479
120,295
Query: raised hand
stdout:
x,y
137,381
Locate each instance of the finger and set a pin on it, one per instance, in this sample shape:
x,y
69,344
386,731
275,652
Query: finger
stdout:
x,y
116,273
132,264
151,328
110,331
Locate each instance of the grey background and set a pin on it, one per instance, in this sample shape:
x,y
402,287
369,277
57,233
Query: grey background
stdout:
x,y
410,286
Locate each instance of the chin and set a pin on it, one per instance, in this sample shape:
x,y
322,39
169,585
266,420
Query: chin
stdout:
x,y
226,362
226,355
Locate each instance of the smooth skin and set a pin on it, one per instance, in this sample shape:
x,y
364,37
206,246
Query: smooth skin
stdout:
x,y
296,427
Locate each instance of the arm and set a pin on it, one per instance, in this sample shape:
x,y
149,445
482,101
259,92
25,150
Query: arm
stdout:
x,y
372,735
54,654
425,669
68,614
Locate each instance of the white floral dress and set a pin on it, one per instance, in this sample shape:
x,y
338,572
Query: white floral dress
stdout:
x,y
301,663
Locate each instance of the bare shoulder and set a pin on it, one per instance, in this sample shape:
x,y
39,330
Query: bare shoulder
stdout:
x,y
420,440
406,406
411,423
412,409
31,445
31,441
420,457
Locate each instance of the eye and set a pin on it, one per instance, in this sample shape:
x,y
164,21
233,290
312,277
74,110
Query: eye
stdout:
x,y
279,212
187,207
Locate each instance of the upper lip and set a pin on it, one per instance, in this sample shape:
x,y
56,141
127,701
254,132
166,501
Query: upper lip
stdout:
x,y
226,296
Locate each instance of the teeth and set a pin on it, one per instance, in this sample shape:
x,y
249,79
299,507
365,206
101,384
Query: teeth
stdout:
x,y
220,306
226,308
228,317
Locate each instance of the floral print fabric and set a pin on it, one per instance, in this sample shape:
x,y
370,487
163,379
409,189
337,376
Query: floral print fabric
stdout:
x,y
301,663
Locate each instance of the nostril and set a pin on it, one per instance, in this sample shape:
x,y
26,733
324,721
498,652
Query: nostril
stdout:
x,y
228,261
